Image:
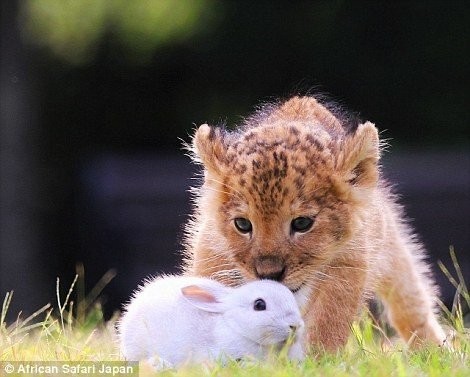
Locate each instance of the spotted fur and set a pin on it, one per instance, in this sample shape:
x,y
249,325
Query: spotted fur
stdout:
x,y
301,159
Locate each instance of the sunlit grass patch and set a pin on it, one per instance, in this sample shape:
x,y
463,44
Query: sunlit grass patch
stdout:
x,y
64,334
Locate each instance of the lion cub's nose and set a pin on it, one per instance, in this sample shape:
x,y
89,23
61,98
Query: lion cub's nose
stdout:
x,y
270,268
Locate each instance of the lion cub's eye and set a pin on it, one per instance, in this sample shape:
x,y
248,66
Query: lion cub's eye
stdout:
x,y
301,224
243,225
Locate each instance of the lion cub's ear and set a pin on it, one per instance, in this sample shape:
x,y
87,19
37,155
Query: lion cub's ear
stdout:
x,y
209,147
359,156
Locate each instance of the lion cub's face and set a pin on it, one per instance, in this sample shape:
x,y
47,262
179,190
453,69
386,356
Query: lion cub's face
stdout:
x,y
282,199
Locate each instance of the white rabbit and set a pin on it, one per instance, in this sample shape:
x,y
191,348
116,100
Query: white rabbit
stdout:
x,y
176,319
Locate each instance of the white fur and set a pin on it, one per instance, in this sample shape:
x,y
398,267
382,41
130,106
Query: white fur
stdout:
x,y
168,327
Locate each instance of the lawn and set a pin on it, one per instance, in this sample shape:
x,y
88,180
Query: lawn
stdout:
x,y
77,334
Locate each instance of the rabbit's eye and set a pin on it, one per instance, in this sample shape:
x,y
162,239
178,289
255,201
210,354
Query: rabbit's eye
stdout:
x,y
243,225
301,224
259,305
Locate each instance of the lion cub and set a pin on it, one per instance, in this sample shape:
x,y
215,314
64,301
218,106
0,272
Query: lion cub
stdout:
x,y
296,195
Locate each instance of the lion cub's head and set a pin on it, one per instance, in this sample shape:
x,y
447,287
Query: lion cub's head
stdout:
x,y
284,193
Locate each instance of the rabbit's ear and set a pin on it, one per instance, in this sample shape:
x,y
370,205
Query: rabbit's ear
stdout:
x,y
203,298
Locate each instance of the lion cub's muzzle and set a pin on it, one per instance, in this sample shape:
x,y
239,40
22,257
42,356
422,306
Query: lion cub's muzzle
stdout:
x,y
272,268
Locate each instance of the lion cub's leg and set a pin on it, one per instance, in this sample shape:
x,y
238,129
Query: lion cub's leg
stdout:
x,y
335,303
409,297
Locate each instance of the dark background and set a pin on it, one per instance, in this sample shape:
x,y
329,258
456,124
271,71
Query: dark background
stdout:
x,y
96,97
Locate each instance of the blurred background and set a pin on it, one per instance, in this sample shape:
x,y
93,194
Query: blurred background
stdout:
x,y
96,97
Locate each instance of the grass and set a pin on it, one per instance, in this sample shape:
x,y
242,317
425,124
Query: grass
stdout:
x,y
80,334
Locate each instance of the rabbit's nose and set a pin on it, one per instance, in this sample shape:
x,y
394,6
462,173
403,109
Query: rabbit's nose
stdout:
x,y
296,327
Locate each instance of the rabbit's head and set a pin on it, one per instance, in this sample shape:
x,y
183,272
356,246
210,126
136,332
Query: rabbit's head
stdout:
x,y
263,311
